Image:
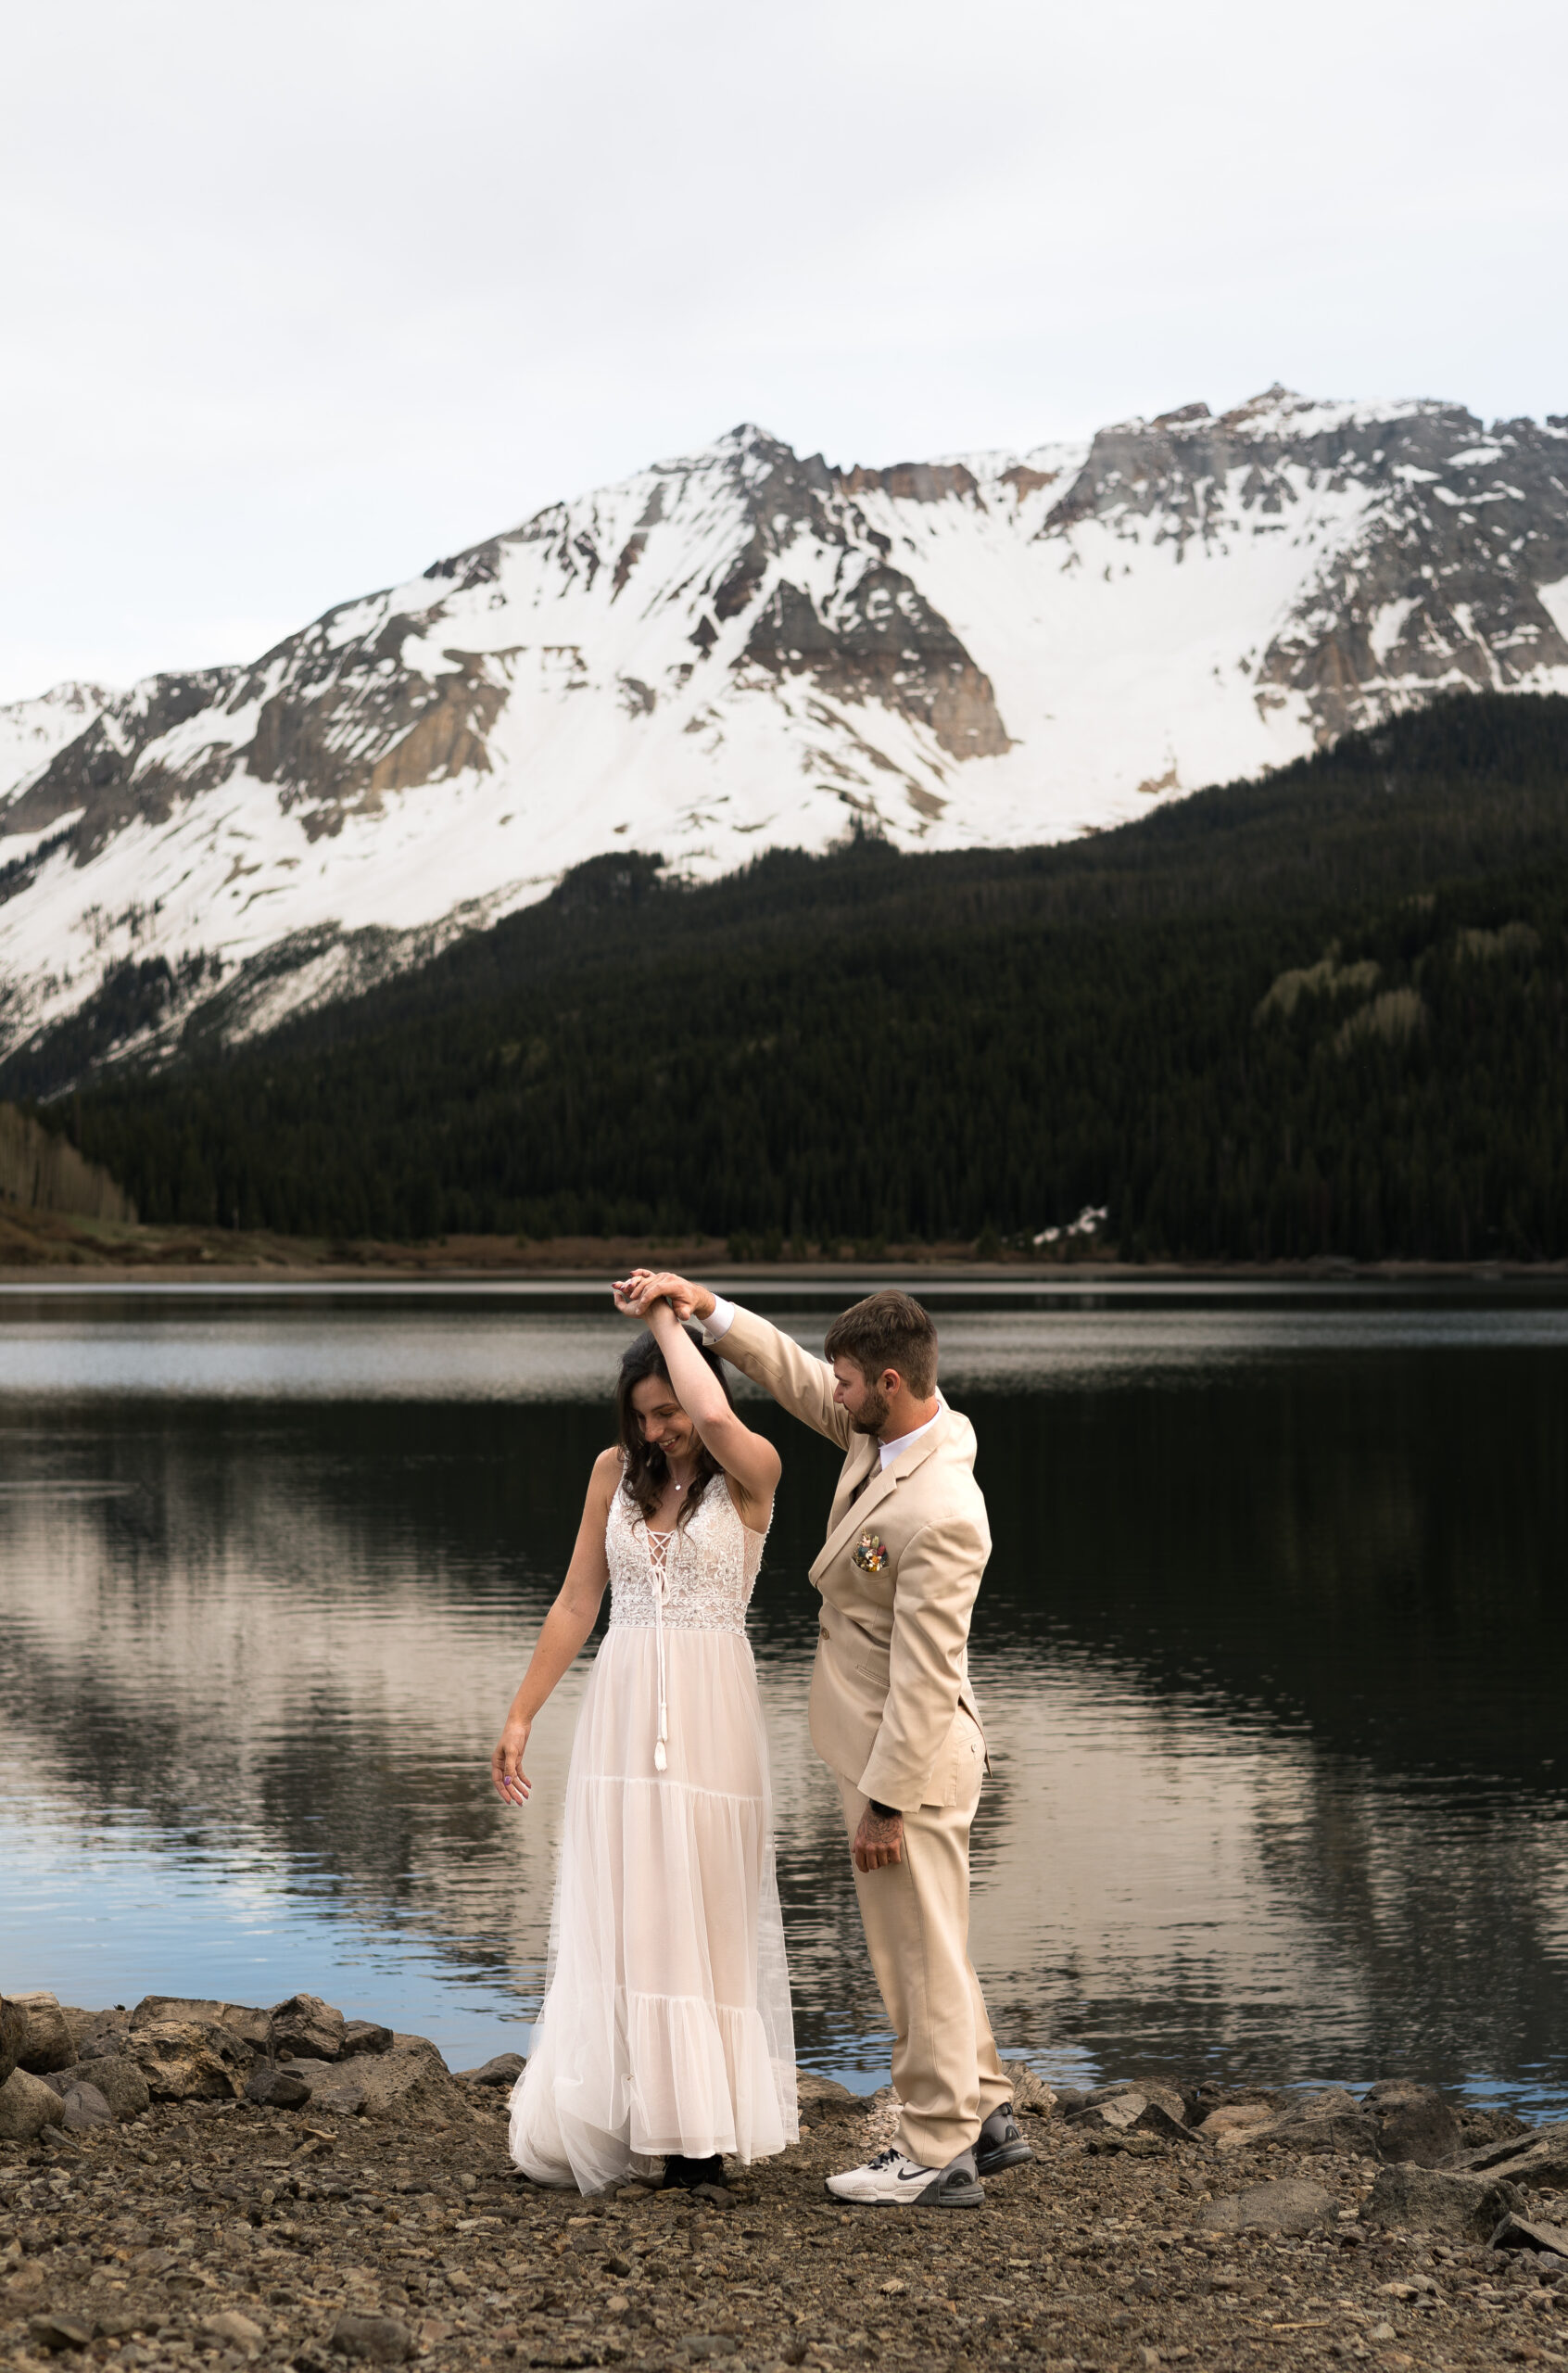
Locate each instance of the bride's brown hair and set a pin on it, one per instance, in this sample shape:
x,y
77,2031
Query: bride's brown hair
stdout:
x,y
647,1470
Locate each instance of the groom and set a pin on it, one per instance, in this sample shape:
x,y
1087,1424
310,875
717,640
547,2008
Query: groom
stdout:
x,y
891,1712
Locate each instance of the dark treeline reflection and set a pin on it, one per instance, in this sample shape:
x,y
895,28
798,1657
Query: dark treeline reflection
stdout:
x,y
285,1631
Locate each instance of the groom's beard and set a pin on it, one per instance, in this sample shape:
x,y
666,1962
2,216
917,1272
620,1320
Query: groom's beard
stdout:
x,y
872,1414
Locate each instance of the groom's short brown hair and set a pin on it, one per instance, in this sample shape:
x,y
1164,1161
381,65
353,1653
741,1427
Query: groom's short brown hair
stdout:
x,y
887,1330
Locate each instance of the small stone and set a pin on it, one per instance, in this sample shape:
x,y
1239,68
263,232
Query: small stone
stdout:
x,y
235,2328
1381,2331
277,2089
715,2195
1240,2118
364,2034
27,2106
381,2340
86,2108
307,2028
503,2070
54,2333
1155,2118
1290,2206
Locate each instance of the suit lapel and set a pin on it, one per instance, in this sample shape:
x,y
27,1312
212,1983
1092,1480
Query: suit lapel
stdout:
x,y
854,1515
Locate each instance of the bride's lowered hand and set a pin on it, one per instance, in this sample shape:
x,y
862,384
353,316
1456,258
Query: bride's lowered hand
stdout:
x,y
506,1764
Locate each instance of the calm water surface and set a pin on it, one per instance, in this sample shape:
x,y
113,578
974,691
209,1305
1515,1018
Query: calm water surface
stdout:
x,y
1272,1652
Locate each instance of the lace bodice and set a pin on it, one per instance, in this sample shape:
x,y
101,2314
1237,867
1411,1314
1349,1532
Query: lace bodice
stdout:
x,y
702,1575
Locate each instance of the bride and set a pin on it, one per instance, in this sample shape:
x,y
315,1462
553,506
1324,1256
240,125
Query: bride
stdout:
x,y
665,2031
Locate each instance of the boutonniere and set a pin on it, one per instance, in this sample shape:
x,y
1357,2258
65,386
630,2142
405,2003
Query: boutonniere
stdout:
x,y
869,1553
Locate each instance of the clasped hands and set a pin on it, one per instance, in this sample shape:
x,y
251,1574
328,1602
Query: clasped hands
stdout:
x,y
639,1295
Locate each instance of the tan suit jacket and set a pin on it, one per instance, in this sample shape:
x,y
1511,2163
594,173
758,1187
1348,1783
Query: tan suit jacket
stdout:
x,y
891,1703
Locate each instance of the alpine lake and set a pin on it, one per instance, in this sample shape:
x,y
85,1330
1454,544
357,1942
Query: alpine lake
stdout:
x,y
1273,1653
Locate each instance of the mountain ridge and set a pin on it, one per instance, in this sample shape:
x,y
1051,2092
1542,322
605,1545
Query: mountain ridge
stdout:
x,y
740,649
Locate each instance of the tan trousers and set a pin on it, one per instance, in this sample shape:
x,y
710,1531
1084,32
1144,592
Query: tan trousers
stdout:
x,y
915,1914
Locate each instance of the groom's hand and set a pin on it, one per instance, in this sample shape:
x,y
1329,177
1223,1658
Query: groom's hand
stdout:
x,y
878,1842
638,1292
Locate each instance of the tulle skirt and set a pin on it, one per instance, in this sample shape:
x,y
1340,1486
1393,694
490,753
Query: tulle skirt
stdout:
x,y
665,2024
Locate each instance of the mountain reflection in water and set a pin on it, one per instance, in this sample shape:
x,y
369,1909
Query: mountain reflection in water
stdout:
x,y
1272,1652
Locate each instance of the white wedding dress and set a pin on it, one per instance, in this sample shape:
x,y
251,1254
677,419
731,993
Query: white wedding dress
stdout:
x,y
665,2024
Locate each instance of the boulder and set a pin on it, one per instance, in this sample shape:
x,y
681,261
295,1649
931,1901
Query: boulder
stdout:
x,y
1415,2126
410,2081
1329,2121
27,2106
823,2101
84,2108
307,2028
46,2040
117,2078
272,2088
1426,2200
190,2059
502,2072
1537,2158
331,2085
1291,2206
380,2339
364,2034
1235,2123
1154,2118
103,2035
1515,2232
13,2029
252,2027
1031,2096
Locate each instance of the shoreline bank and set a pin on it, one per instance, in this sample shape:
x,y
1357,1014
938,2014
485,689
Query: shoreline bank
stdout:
x,y
365,2208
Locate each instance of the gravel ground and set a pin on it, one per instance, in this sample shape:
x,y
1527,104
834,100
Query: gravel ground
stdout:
x,y
253,2236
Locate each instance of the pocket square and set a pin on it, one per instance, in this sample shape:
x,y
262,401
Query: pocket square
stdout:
x,y
869,1553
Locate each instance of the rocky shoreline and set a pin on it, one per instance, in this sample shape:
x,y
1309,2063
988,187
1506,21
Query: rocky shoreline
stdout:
x,y
289,2188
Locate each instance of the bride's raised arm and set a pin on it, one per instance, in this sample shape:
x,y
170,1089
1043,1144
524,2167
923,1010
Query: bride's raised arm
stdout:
x,y
749,1460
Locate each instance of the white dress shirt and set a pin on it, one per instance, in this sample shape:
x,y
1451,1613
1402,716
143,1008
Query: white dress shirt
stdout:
x,y
722,1318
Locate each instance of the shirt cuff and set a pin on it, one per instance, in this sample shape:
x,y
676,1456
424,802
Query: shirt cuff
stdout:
x,y
720,1319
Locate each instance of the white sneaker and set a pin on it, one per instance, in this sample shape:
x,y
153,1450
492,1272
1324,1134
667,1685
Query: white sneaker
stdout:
x,y
890,2180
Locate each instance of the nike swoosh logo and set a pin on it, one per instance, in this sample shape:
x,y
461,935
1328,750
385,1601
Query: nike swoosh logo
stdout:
x,y
921,2176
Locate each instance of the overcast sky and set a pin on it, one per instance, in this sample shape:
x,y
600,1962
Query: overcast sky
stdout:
x,y
299,294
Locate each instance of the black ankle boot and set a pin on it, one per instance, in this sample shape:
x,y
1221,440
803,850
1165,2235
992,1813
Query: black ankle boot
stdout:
x,y
685,2174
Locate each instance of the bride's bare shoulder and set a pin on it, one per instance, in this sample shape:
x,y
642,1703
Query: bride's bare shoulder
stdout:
x,y
606,1472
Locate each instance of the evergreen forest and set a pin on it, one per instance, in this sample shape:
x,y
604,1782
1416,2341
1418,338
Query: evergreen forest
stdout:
x,y
1325,1013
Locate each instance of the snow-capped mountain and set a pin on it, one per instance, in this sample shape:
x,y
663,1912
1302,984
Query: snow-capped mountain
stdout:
x,y
741,648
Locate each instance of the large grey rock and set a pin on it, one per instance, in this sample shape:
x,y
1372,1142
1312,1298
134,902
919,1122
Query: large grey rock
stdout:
x,y
502,2072
13,2028
191,2059
251,2025
46,2040
1430,2200
307,2028
272,2088
1537,2158
410,2081
56,2332
333,2084
1292,2205
1414,2122
1332,2121
365,2035
824,2101
117,2078
86,2108
27,2106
